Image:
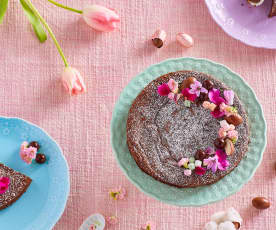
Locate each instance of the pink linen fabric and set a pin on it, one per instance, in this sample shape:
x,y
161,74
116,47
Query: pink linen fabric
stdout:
x,y
30,88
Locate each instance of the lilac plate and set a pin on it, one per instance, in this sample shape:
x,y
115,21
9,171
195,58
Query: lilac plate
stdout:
x,y
246,23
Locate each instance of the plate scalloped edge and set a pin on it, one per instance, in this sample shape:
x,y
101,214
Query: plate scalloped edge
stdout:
x,y
227,186
232,35
49,220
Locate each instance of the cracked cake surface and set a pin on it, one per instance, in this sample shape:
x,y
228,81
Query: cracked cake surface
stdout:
x,y
19,183
160,133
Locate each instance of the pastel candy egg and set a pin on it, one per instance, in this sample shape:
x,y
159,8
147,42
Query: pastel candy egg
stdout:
x,y
227,225
218,217
233,215
187,172
191,166
198,163
185,40
211,226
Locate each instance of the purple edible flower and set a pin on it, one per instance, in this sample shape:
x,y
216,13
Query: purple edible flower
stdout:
x,y
229,96
196,88
223,163
214,96
212,163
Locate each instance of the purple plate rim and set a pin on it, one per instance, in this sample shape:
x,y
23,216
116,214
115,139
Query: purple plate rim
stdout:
x,y
233,35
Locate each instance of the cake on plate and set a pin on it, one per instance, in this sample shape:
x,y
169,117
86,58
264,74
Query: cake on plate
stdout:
x,y
12,185
187,129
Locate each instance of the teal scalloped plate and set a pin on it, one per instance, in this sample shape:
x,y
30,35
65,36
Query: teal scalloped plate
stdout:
x,y
43,203
227,186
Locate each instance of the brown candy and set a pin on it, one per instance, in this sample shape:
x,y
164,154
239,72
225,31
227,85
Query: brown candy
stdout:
x,y
261,203
158,38
202,97
237,225
219,143
187,83
40,158
35,145
200,155
229,147
207,84
234,119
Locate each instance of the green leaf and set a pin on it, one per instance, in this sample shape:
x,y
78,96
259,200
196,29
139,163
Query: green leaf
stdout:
x,y
34,20
3,8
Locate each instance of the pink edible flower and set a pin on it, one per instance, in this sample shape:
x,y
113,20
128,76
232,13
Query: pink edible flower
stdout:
x,y
214,96
173,85
223,163
4,184
233,135
149,226
117,193
211,163
101,18
217,113
196,88
229,97
26,153
222,133
169,89
163,90
200,171
227,130
186,94
112,220
183,161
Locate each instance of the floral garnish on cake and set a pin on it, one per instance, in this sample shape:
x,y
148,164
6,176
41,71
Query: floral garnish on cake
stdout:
x,y
4,184
117,193
220,107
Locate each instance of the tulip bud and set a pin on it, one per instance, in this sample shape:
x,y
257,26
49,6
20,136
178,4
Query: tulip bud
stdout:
x,y
73,81
101,18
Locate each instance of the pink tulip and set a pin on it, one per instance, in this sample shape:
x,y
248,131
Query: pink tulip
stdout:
x,y
101,18
73,81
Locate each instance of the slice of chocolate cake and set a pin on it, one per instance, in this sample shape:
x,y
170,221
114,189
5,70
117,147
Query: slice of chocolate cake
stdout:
x,y
18,184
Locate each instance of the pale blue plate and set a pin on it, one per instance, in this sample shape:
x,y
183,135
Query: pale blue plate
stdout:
x,y
44,202
193,196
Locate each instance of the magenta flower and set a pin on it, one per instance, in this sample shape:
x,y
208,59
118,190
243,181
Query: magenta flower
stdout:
x,y
223,163
191,97
214,96
4,184
163,90
169,89
229,97
196,88
200,171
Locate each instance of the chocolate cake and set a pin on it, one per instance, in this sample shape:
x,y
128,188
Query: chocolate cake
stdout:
x,y
18,185
273,9
161,132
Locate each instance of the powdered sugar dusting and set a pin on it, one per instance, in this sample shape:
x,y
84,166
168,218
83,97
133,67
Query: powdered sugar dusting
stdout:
x,y
160,133
18,184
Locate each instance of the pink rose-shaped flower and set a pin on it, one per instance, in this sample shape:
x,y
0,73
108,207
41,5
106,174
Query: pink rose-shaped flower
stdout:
x,y
27,154
101,18
73,81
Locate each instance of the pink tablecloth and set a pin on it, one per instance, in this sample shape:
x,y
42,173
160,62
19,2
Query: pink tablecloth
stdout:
x,y
30,89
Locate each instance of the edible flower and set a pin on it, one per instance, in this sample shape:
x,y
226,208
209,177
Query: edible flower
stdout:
x,y
229,97
209,150
187,95
93,227
26,153
197,88
117,193
4,184
100,18
183,162
149,226
73,81
112,220
227,130
169,89
219,161
214,96
200,171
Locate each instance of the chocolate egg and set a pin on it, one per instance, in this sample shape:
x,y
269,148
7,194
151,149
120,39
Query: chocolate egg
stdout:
x,y
261,203
187,83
